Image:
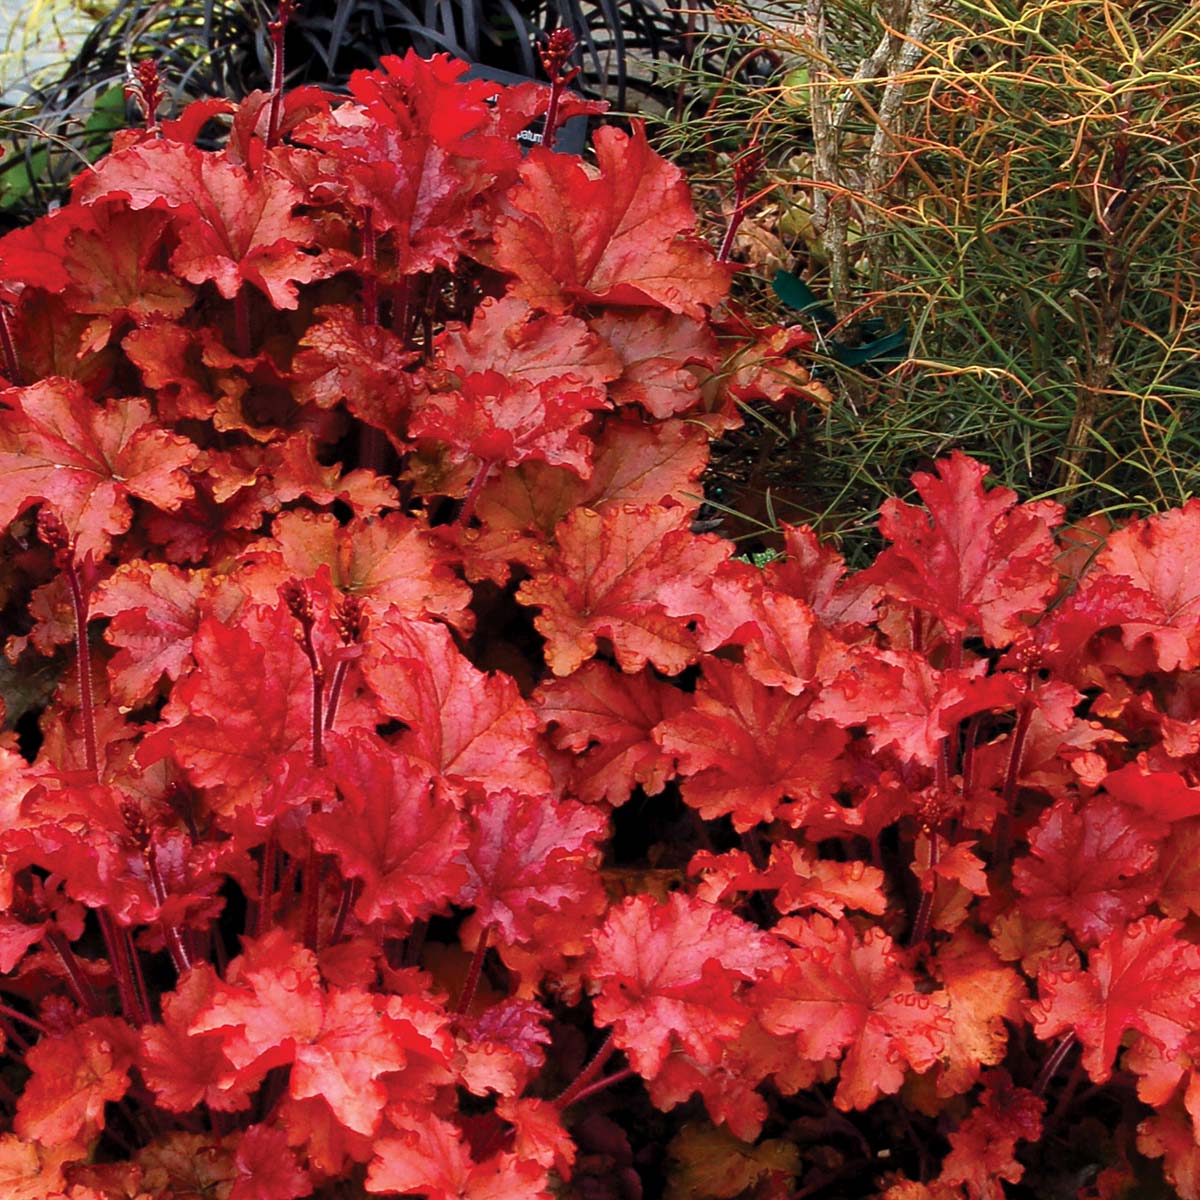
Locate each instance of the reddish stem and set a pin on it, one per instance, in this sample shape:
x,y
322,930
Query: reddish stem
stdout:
x,y
583,1080
920,929
300,605
335,691
83,659
735,222
139,980
20,1016
916,631
551,126
311,897
558,50
472,980
1008,793
599,1086
171,933
1051,1065
318,724
11,369
266,883
115,945
345,904
370,285
277,29
79,981
468,505
400,309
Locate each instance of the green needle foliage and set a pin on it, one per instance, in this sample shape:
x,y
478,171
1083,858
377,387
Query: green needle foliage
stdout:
x,y
1007,189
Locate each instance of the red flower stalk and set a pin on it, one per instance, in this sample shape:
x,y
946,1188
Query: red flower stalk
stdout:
x,y
143,85
744,171
277,29
554,55
54,533
350,620
300,605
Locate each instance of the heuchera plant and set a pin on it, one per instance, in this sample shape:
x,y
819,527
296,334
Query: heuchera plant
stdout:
x,y
405,792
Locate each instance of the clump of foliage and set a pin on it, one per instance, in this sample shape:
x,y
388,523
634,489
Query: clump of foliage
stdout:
x,y
223,49
992,210
417,804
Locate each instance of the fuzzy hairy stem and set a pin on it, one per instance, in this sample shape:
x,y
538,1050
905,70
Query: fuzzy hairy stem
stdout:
x,y
471,983
583,1081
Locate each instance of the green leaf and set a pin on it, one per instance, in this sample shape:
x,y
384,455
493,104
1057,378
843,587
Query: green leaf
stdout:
x,y
891,345
798,295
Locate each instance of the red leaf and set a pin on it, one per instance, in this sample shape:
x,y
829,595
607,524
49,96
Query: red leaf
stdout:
x,y
1091,865
356,1044
390,831
87,460
632,463
388,560
269,1002
621,238
32,1171
528,347
974,559
109,255
35,254
1161,795
983,995
75,1074
842,992
234,227
663,357
675,974
605,719
519,1026
607,580
266,1167
1142,977
1170,1135
802,880
743,749
498,421
247,704
364,365
156,611
429,146
472,728
528,854
185,1069
429,1155
295,471
1155,555
906,703
982,1147
816,574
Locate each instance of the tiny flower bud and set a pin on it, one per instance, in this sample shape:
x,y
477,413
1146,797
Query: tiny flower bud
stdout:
x,y
52,531
558,49
351,620
294,595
